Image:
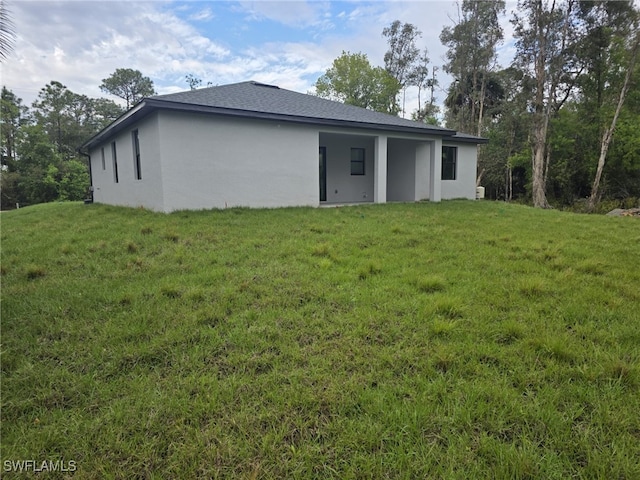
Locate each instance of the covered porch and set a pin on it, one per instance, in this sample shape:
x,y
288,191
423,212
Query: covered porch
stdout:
x,y
377,168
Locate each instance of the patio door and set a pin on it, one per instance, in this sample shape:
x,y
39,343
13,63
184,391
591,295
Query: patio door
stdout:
x,y
323,173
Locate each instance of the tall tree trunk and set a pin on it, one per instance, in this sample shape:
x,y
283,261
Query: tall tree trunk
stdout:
x,y
608,133
481,112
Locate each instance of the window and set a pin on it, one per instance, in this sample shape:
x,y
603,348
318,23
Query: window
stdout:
x,y
114,156
357,161
136,155
104,164
449,160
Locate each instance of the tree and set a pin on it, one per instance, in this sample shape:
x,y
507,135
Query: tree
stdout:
x,y
471,57
129,85
609,49
547,36
419,77
467,105
12,117
403,57
103,112
500,163
38,165
69,118
608,133
352,80
193,81
51,111
7,31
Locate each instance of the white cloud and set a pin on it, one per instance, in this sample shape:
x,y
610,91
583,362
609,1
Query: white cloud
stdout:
x,y
79,43
294,13
202,15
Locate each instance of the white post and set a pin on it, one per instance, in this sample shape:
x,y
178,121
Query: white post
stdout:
x,y
435,172
423,152
380,170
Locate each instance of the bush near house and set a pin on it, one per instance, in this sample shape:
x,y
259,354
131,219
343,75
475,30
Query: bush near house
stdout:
x,y
453,340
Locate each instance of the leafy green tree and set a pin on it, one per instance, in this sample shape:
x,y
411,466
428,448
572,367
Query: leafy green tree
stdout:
x,y
128,84
352,80
402,60
37,156
470,107
12,116
9,189
39,147
500,166
421,78
610,49
102,113
73,181
52,110
427,114
471,57
69,118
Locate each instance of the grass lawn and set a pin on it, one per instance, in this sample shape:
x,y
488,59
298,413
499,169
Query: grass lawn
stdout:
x,y
454,340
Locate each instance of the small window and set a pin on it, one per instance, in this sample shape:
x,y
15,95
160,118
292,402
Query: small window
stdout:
x,y
357,161
449,160
104,164
114,156
136,155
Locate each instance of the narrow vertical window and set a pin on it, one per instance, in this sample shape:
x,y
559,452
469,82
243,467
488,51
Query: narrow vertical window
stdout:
x,y
449,160
114,156
104,164
357,161
136,155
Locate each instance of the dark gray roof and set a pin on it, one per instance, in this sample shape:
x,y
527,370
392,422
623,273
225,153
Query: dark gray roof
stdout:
x,y
460,137
258,100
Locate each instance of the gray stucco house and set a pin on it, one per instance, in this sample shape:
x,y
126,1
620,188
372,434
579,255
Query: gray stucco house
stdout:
x,y
256,145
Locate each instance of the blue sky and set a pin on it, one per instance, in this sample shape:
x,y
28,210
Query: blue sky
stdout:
x,y
289,43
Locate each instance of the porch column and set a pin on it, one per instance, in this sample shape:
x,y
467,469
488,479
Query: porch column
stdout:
x,y
423,153
380,170
435,171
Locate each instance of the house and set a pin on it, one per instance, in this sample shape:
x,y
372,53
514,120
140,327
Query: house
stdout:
x,y
257,145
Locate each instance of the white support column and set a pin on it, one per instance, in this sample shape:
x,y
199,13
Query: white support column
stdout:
x,y
435,171
423,153
380,170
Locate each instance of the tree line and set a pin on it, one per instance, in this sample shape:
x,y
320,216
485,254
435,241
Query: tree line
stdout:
x,y
39,145
562,119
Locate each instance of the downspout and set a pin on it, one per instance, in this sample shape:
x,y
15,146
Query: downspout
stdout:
x,y
89,197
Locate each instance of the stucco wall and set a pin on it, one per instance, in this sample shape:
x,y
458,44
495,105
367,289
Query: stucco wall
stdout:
x,y
401,170
464,186
214,162
129,191
198,161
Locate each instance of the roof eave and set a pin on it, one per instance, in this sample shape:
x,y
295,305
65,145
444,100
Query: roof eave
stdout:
x,y
122,121
469,139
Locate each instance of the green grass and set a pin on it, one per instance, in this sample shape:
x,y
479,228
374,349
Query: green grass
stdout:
x,y
454,340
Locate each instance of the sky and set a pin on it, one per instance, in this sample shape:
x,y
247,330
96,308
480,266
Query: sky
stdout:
x,y
289,43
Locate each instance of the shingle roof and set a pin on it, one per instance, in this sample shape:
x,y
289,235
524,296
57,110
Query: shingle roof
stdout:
x,y
258,100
